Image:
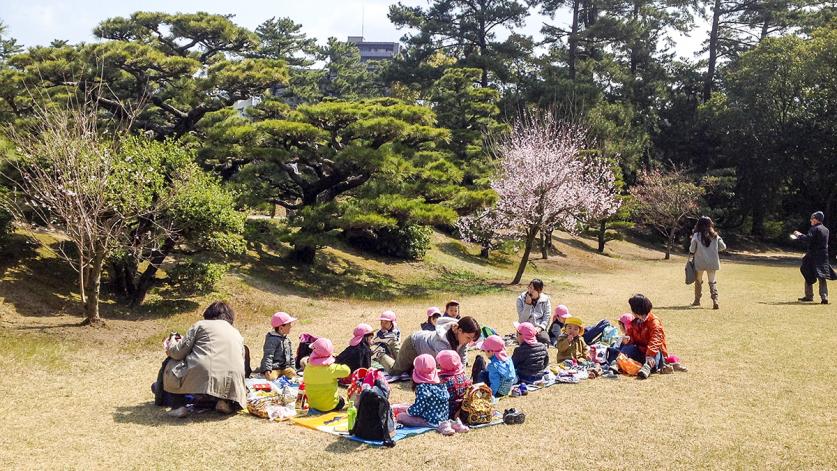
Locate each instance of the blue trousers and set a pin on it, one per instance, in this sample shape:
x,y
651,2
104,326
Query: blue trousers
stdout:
x,y
632,351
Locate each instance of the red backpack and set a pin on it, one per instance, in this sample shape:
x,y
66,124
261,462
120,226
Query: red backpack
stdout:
x,y
363,378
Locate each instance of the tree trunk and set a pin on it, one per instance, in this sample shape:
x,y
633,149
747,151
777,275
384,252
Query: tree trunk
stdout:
x,y
91,307
573,40
81,286
272,210
758,221
146,281
483,50
544,245
484,251
601,235
709,81
670,243
765,27
635,44
530,241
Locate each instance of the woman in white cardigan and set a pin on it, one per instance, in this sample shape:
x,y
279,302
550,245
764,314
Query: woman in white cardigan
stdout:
x,y
706,243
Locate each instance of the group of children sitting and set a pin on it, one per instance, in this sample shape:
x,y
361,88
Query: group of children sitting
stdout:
x,y
441,383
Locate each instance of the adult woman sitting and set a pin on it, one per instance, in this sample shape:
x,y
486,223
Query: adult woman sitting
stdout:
x,y
450,334
209,361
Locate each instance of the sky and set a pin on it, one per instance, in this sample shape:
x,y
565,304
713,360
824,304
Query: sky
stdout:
x,y
37,22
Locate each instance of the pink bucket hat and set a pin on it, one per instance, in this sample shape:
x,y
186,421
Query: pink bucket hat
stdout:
x,y
433,310
449,362
424,370
321,352
626,318
527,331
494,344
561,312
360,331
280,319
387,316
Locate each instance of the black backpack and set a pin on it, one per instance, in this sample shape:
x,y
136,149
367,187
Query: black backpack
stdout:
x,y
374,419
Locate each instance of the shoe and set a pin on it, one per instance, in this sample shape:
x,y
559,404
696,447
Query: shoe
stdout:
x,y
644,372
524,390
610,374
715,306
679,367
666,370
459,427
223,406
179,413
512,417
445,428
805,300
696,302
824,301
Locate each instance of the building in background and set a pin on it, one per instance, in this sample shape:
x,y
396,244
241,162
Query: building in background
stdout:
x,y
375,50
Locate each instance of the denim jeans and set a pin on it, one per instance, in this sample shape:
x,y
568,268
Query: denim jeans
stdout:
x,y
632,351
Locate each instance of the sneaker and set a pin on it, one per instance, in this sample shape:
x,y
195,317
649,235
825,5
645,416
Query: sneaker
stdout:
x,y
524,390
824,301
644,372
512,417
715,306
459,427
179,413
610,374
679,367
445,428
805,299
223,406
666,370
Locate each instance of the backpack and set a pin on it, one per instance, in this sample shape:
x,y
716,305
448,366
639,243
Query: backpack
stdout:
x,y
477,408
374,420
304,348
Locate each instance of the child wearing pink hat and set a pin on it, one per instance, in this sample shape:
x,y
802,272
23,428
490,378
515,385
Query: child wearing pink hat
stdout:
x,y
500,374
278,356
388,338
431,407
452,375
433,315
359,352
530,358
321,377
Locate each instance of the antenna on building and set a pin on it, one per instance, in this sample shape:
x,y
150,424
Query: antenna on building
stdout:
x,y
362,21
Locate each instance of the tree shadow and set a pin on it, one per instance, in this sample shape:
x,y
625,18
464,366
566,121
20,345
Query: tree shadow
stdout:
x,y
766,260
158,308
151,415
328,275
460,251
37,285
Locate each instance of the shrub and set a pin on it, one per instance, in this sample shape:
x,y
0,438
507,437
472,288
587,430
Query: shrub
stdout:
x,y
197,277
409,242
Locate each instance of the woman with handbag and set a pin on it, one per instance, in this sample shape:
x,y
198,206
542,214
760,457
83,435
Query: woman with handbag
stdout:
x,y
705,246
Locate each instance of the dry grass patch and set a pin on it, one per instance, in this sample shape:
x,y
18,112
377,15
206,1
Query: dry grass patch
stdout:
x,y
759,393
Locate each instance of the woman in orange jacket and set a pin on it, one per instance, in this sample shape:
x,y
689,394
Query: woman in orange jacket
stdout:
x,y
646,339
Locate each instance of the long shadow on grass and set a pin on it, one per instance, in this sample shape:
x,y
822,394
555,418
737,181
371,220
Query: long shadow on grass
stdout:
x,y
151,415
326,276
678,308
37,286
458,250
790,303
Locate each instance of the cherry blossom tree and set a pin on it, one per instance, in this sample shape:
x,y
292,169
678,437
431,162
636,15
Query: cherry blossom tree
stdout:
x,y
546,179
664,199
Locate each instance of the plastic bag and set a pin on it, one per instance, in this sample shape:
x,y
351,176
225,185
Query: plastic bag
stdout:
x,y
627,365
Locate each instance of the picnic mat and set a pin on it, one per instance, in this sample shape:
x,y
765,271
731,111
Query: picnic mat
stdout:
x,y
337,423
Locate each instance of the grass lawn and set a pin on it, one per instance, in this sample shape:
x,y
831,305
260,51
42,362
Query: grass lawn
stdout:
x,y
759,393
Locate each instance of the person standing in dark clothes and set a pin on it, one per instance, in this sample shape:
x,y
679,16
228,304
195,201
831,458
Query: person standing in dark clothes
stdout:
x,y
815,266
